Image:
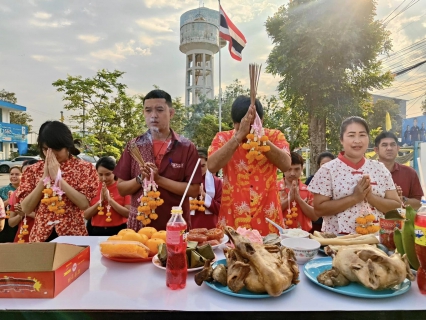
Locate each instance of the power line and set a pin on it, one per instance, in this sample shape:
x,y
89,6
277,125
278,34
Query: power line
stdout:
x,y
408,6
410,23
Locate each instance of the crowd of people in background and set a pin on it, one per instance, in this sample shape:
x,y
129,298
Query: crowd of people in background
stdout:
x,y
62,195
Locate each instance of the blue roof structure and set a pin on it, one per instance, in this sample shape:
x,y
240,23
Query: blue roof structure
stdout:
x,y
15,107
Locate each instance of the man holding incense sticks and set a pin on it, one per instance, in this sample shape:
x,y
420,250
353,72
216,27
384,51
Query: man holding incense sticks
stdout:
x,y
249,156
168,157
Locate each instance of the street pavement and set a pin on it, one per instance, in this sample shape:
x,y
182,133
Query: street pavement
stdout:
x,y
4,179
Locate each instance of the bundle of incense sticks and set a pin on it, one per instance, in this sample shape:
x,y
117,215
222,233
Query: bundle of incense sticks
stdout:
x,y
254,71
136,154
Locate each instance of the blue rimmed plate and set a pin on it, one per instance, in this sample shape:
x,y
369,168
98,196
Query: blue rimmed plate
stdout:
x,y
314,267
244,293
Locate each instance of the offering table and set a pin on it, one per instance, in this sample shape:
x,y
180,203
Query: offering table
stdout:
x,y
127,289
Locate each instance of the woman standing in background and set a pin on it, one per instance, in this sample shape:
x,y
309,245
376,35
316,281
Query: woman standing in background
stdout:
x,y
104,224
7,194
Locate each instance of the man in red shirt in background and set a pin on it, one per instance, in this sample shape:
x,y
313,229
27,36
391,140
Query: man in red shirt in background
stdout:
x,y
295,196
404,177
211,191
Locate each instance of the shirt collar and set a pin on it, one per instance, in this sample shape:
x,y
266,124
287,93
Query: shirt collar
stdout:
x,y
147,137
349,163
396,167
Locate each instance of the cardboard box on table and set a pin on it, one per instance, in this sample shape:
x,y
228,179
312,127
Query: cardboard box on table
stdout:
x,y
40,270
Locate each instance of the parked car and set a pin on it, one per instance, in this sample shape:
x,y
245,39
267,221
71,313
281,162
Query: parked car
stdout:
x,y
5,165
88,158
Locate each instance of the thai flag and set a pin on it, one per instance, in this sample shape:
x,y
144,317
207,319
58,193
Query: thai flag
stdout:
x,y
229,32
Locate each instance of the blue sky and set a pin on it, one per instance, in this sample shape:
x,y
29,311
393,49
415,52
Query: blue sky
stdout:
x,y
42,41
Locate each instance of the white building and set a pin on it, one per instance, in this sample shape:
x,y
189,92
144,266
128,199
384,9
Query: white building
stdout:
x,y
199,41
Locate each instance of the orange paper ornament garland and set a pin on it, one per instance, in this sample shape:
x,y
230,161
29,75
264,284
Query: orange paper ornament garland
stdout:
x,y
365,222
149,201
195,204
52,195
7,212
108,207
23,231
256,139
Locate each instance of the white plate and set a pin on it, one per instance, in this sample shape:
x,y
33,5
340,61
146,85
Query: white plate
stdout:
x,y
224,240
157,263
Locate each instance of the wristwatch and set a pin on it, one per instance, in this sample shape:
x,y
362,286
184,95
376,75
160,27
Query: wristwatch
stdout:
x,y
139,179
404,199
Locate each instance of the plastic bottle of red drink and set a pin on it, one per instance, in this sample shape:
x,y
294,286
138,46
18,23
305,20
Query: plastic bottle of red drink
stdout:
x,y
420,244
176,268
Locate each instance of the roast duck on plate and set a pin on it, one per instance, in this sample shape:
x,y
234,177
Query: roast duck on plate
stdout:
x,y
365,264
257,267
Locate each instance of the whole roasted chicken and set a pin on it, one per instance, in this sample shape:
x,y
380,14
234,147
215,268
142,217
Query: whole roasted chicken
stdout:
x,y
365,264
256,267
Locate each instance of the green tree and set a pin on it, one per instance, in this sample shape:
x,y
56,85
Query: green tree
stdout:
x,y
107,117
423,106
377,117
281,115
326,54
16,117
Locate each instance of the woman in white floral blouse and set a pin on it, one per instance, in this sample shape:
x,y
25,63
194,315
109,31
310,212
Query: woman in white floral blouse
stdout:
x,y
351,185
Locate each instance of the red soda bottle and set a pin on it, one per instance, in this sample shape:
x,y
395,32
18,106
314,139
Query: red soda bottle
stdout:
x,y
176,267
420,244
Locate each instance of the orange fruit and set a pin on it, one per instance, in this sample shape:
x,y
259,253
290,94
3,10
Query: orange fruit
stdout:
x,y
148,231
160,235
152,244
132,237
116,237
144,237
122,232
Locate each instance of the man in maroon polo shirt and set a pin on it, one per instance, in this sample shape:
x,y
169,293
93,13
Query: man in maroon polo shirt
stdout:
x,y
386,147
171,157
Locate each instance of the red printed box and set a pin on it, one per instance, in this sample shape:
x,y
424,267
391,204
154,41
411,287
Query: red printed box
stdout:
x,y
40,270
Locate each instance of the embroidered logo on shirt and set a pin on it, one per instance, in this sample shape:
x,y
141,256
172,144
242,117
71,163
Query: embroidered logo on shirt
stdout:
x,y
176,165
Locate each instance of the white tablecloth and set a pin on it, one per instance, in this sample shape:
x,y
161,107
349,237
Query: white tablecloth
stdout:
x,y
109,285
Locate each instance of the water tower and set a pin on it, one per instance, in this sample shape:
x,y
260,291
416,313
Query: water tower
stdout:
x,y
199,40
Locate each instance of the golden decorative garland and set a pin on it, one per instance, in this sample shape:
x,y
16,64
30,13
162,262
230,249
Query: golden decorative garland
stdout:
x,y
256,144
52,197
195,204
23,231
149,201
365,224
108,213
7,212
291,213
108,207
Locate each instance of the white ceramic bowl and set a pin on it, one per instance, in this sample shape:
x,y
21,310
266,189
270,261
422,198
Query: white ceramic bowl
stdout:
x,y
294,233
304,249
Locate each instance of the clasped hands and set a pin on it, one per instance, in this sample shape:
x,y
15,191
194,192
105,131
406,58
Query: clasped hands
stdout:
x,y
293,193
245,125
363,189
51,165
146,171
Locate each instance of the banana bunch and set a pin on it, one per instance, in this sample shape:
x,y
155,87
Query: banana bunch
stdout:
x,y
404,239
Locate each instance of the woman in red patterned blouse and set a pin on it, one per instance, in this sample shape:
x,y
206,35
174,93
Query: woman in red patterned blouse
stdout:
x,y
107,195
78,180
